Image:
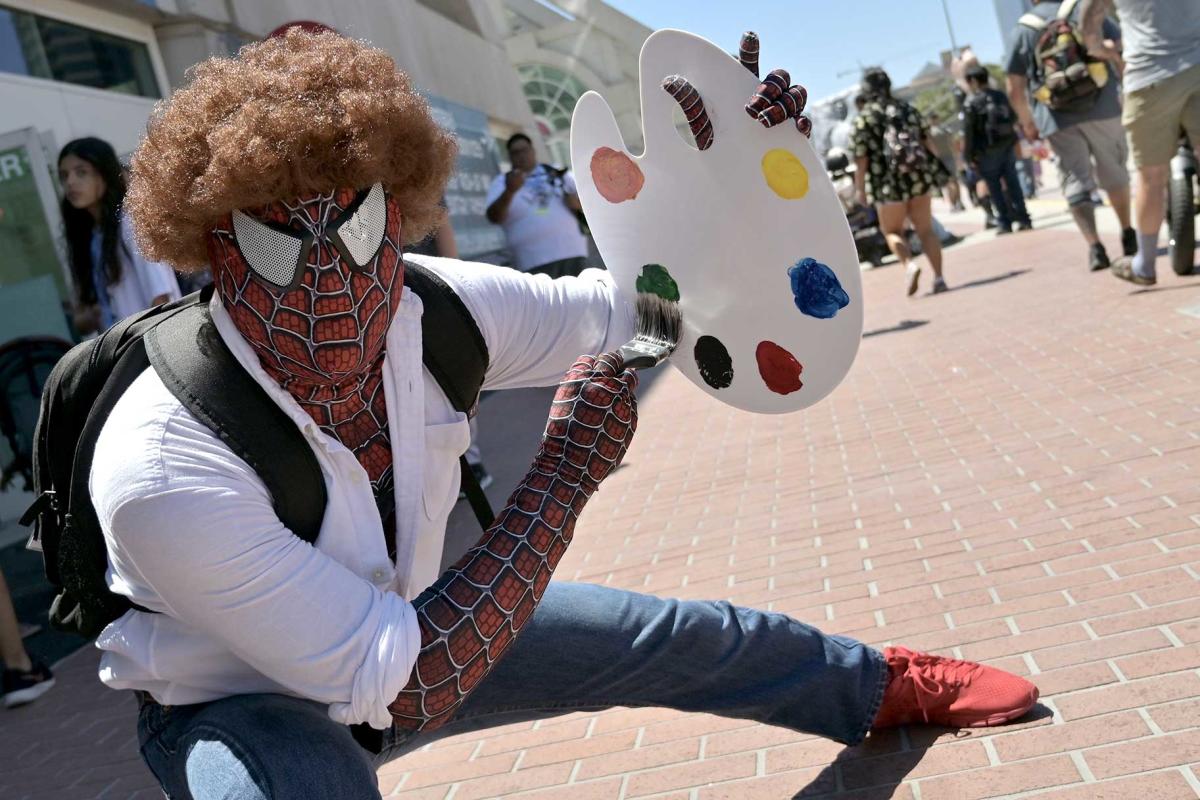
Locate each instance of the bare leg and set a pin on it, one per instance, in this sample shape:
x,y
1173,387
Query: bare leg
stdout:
x,y
1085,219
952,190
1151,198
12,650
1120,203
891,221
921,214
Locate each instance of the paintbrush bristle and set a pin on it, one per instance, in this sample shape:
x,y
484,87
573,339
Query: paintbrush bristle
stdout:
x,y
658,320
659,326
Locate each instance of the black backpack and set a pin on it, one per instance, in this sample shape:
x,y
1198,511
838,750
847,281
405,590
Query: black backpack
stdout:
x,y
181,342
996,119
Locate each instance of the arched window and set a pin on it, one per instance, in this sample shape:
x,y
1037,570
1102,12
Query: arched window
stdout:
x,y
552,94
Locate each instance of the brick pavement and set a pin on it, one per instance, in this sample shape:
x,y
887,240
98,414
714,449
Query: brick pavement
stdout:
x,y
1009,473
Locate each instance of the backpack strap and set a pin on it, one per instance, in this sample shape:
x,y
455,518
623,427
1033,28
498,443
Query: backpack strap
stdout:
x,y
453,349
1065,10
1032,21
197,367
456,355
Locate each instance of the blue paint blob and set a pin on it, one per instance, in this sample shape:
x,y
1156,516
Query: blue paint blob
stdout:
x,y
817,290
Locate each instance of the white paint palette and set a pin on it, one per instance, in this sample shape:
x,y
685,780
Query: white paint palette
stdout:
x,y
749,233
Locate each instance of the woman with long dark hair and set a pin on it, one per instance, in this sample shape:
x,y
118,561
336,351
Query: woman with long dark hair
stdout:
x,y
112,280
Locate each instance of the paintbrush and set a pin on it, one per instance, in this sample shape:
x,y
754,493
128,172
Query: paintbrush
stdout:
x,y
659,325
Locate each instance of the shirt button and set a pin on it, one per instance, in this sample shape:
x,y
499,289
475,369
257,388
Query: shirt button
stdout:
x,y
378,575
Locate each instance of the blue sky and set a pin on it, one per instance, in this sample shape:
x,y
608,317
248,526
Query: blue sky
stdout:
x,y
829,37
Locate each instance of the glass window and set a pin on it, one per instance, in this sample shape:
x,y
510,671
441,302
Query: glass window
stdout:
x,y
552,94
47,48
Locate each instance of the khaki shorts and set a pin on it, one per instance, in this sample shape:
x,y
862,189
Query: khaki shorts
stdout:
x,y
1101,141
1153,116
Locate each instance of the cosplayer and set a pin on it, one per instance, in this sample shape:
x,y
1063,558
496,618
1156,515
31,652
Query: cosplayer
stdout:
x,y
295,172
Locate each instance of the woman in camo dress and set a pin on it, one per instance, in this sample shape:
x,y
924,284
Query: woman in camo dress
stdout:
x,y
897,171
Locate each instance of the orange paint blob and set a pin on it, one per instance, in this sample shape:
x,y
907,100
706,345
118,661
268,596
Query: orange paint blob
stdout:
x,y
616,177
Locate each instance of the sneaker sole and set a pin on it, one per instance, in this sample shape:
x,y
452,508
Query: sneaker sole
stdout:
x,y
24,696
914,280
996,719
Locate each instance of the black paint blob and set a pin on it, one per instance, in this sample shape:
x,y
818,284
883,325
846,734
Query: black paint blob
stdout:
x,y
716,367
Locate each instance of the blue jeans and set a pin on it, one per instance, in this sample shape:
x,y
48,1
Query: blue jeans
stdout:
x,y
1008,201
586,647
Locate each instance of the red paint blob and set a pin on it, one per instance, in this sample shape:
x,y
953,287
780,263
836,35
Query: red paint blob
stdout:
x,y
779,369
617,178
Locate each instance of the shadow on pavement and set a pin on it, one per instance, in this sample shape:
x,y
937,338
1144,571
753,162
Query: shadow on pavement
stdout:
x,y
902,325
1156,289
1012,273
880,776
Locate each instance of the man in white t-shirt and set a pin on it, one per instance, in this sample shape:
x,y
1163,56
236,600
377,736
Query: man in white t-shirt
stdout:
x,y
537,205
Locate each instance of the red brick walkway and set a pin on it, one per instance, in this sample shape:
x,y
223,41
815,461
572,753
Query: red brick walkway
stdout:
x,y
1010,473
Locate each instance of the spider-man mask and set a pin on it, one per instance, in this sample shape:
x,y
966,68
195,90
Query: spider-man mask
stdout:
x,y
312,283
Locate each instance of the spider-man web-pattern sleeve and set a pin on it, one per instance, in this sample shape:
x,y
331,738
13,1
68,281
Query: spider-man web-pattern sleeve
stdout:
x,y
473,613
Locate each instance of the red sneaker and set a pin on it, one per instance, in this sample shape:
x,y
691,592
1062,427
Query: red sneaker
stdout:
x,y
925,688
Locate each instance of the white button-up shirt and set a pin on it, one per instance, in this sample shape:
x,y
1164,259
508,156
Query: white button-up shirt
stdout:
x,y
245,606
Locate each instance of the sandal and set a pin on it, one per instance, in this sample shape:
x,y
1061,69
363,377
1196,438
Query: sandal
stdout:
x,y
1123,269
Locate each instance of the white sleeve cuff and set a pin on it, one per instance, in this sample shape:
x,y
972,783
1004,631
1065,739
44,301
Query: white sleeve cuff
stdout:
x,y
386,670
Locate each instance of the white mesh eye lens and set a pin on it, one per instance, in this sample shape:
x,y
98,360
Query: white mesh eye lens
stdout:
x,y
273,255
362,233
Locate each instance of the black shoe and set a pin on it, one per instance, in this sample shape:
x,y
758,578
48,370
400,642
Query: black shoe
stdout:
x,y
1129,242
989,223
1024,226
1097,258
484,478
24,686
1003,231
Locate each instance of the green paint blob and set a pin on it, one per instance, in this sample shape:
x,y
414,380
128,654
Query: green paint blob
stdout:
x,y
656,280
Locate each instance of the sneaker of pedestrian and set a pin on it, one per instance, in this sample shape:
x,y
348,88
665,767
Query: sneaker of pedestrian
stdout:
x,y
1098,257
989,223
23,686
1129,242
1003,230
939,285
927,689
914,277
1025,226
484,478
1123,269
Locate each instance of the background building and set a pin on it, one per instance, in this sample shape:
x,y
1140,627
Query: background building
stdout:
x,y
1007,14
70,68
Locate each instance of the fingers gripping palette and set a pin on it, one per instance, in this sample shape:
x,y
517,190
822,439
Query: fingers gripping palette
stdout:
x,y
747,232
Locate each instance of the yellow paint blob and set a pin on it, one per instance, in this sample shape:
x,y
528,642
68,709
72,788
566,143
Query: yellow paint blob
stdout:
x,y
786,176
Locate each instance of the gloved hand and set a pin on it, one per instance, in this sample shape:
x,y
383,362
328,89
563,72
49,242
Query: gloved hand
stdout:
x,y
592,421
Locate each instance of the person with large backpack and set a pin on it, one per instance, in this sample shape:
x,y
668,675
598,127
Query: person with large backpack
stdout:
x,y
1161,81
989,142
897,171
245,492
1066,95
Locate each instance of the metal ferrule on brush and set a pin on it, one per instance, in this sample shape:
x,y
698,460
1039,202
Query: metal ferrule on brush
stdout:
x,y
659,325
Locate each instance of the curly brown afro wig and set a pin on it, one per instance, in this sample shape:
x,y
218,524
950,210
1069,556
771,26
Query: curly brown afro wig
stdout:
x,y
295,114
